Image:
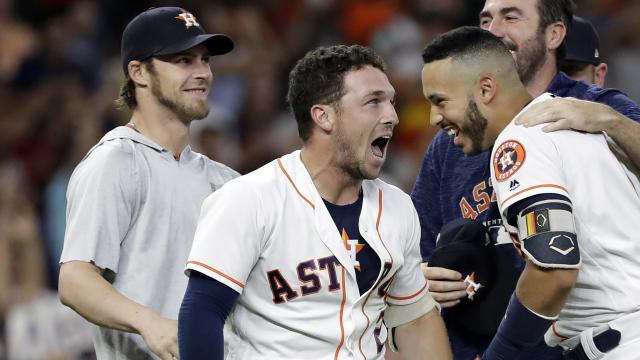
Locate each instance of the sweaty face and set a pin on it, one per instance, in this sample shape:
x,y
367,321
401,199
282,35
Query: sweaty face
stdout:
x,y
452,108
181,83
517,24
364,121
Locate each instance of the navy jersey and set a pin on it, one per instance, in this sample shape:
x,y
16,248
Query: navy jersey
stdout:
x,y
346,218
451,185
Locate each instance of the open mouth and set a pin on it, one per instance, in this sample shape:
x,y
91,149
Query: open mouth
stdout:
x,y
379,145
452,130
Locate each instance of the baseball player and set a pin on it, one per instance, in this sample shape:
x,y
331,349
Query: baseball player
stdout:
x,y
583,59
568,200
134,200
451,185
311,248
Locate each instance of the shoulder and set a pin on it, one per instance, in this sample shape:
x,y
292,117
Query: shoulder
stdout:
x,y
111,155
219,171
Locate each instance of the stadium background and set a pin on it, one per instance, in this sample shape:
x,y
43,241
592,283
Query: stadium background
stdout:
x,y
60,73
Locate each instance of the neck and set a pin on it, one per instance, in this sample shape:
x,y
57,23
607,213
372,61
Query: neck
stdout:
x,y
509,107
167,131
333,183
541,81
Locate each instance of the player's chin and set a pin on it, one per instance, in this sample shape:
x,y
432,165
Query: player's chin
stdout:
x,y
371,170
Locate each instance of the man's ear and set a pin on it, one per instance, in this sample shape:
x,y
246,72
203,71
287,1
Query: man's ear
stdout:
x,y
555,35
600,74
323,116
138,72
486,89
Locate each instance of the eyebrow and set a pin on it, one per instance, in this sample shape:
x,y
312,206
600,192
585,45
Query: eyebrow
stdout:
x,y
503,11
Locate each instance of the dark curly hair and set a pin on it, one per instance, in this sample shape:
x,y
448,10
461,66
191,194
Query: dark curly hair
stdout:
x,y
318,78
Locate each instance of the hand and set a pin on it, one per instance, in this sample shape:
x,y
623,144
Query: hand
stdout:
x,y
568,113
161,336
446,286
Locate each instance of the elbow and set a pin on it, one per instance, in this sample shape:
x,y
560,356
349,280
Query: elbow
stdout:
x,y
565,279
64,286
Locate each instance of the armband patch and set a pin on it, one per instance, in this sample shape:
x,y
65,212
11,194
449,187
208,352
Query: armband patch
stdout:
x,y
547,232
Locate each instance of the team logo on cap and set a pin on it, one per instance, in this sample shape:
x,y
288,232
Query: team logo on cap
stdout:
x,y
188,18
508,159
472,285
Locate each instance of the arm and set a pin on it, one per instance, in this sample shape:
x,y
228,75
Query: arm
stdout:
x,y
423,338
533,308
82,288
549,299
582,115
205,307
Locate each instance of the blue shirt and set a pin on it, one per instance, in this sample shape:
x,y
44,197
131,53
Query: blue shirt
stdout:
x,y
451,185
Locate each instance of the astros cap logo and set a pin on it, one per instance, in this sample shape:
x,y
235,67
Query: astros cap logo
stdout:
x,y
508,159
188,18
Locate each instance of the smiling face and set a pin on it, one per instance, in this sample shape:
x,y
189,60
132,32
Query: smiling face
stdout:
x,y
181,83
452,107
517,24
364,121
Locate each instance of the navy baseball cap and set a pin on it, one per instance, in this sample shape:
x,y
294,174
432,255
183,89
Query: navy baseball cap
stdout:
x,y
166,31
464,245
583,43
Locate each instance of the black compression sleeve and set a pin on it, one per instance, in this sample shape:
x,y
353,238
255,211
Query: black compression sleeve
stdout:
x,y
205,307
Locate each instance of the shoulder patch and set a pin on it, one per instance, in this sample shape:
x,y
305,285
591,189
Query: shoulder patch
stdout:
x,y
508,159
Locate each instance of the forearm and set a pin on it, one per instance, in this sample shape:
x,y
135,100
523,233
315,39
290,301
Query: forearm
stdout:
x,y
424,338
540,295
626,133
82,288
545,291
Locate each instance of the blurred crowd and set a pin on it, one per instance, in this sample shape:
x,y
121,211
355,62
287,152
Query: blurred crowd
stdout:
x,y
60,73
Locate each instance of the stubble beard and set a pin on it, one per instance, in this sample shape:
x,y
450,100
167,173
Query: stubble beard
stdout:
x,y
530,58
346,158
185,111
475,127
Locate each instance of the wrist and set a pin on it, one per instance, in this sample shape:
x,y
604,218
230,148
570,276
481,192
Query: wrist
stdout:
x,y
143,319
519,330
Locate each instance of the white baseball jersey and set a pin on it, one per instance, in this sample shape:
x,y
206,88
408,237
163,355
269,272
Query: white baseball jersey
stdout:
x,y
606,210
269,236
132,210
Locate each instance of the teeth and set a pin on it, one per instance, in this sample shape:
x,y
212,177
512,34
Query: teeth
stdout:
x,y
452,131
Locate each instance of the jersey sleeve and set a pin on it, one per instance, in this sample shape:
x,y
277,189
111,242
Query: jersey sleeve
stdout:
x,y
409,284
229,236
525,162
101,197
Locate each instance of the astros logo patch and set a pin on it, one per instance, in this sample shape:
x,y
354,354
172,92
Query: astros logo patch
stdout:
x,y
508,159
188,18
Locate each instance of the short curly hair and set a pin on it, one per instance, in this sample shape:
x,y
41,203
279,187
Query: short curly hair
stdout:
x,y
318,78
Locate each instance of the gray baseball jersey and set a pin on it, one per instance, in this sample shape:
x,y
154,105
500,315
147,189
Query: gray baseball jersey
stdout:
x,y
132,210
